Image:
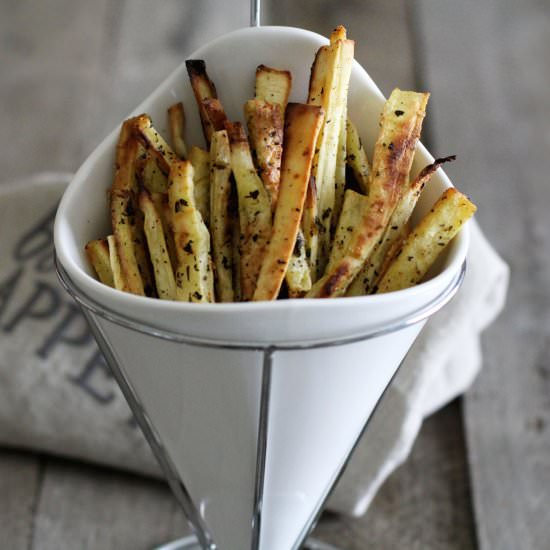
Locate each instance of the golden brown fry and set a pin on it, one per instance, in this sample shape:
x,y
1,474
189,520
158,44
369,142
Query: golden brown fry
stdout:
x,y
118,277
265,128
254,209
194,280
214,113
203,88
220,220
158,250
356,157
98,255
155,143
427,241
176,124
200,159
370,273
302,127
163,209
401,123
351,215
298,276
149,175
334,64
273,85
123,211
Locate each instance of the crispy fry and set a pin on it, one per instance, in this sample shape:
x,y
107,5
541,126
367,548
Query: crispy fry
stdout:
x,y
155,143
302,127
401,123
331,94
149,175
214,113
370,273
123,211
194,280
298,276
273,85
176,124
158,250
162,205
220,221
356,157
351,215
427,241
254,209
118,277
265,127
200,159
98,255
203,88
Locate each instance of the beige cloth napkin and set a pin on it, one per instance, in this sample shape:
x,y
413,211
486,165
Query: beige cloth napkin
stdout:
x,y
57,395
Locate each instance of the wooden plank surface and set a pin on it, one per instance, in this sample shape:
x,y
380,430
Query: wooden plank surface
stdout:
x,y
490,84
20,482
93,508
76,68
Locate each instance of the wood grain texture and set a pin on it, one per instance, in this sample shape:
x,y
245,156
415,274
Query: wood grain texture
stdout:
x,y
20,482
490,103
423,505
93,508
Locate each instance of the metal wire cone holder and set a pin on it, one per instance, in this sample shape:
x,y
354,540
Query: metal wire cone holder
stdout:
x,y
102,319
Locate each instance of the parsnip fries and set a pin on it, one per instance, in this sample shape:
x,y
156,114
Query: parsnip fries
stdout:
x,y
329,89
98,255
254,209
428,239
194,281
291,210
220,219
128,235
401,123
210,111
396,230
302,127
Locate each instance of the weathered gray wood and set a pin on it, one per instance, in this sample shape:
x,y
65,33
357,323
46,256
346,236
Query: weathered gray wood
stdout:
x,y
486,63
422,505
20,482
89,507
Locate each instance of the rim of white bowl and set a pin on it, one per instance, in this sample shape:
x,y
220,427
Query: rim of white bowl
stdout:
x,y
456,253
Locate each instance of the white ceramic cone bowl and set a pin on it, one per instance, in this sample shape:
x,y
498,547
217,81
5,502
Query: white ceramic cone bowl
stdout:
x,y
204,403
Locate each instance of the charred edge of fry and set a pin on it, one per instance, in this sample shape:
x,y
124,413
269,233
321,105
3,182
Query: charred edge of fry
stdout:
x,y
235,132
302,127
196,69
154,143
427,171
214,112
266,128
